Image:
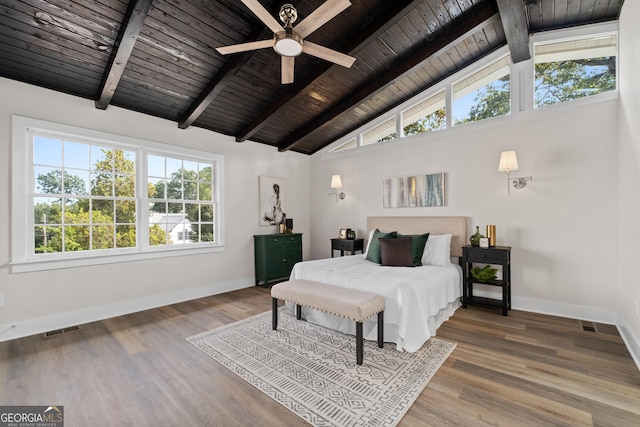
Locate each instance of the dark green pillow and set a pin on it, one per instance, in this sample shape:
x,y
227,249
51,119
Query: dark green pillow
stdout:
x,y
418,242
373,254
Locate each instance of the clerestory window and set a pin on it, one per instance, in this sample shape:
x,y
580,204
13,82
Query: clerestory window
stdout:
x,y
574,68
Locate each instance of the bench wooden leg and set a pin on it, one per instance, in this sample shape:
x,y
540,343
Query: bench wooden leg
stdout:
x,y
381,329
274,313
298,311
359,343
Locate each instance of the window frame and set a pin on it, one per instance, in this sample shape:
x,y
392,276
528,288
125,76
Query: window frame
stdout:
x,y
23,256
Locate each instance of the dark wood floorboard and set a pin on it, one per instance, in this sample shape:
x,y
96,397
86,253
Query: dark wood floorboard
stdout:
x,y
137,370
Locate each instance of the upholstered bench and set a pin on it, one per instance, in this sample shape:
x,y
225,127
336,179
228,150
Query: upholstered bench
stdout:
x,y
348,303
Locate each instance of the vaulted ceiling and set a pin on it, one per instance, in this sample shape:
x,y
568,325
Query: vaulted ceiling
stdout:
x,y
158,57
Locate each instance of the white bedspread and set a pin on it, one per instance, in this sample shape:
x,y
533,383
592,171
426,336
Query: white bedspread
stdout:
x,y
417,300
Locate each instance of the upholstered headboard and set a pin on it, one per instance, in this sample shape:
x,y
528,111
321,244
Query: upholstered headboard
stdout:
x,y
455,225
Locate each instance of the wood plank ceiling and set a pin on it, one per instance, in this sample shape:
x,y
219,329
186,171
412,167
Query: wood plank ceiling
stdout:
x,y
157,57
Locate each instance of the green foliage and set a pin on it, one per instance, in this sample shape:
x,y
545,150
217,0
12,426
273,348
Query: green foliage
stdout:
x,y
434,121
494,101
51,183
90,223
485,274
567,80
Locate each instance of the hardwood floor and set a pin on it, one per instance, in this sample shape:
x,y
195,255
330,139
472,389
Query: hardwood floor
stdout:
x,y
138,370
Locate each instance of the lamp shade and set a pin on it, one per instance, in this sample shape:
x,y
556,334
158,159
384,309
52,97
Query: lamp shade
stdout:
x,y
336,182
508,161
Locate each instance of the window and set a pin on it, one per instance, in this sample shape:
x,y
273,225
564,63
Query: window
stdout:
x,y
84,196
426,116
352,143
484,94
384,132
567,65
181,199
88,197
573,69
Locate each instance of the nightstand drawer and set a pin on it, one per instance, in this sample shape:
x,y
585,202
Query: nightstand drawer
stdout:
x,y
343,245
487,255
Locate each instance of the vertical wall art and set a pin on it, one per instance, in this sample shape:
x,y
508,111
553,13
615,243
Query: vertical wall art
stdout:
x,y
413,191
272,195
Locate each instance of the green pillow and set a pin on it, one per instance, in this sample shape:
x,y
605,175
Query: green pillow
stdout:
x,y
373,254
418,242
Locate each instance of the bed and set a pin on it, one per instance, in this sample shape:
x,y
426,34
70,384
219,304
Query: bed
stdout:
x,y
417,300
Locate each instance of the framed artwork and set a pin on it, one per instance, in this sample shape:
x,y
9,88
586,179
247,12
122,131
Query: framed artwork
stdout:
x,y
272,206
413,191
343,233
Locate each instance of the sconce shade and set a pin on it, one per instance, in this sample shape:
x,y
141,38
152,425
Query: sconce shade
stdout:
x,y
336,182
508,161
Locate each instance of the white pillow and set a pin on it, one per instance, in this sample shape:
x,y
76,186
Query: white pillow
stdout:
x,y
369,240
437,251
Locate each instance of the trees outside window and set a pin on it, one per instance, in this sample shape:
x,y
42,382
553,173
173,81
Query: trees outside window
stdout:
x,y
85,198
574,69
429,115
483,94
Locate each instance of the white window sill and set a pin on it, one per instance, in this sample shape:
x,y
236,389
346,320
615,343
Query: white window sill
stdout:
x,y
84,260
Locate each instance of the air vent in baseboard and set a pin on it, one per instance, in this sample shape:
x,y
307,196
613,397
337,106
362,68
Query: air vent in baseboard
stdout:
x,y
588,326
60,331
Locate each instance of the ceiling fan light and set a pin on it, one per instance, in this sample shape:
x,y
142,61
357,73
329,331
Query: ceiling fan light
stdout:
x,y
288,44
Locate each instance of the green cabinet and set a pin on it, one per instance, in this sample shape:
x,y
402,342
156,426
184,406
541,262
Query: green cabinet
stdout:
x,y
275,255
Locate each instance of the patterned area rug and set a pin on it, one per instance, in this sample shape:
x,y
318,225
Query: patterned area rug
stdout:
x,y
312,371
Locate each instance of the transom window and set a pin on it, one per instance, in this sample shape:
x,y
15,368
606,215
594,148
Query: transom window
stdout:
x,y
573,69
566,65
484,94
85,197
426,116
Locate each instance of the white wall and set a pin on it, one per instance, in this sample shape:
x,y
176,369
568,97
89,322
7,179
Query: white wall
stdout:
x,y
563,227
37,302
629,177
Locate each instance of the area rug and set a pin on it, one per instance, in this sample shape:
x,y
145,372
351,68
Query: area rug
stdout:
x,y
312,371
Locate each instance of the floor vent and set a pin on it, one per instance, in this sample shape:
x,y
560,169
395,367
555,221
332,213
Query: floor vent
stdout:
x,y
60,331
588,326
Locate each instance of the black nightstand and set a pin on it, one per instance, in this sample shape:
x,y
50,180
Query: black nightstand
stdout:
x,y
346,245
496,255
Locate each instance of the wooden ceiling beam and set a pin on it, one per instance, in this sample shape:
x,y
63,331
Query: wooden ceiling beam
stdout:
x,y
467,22
129,31
513,15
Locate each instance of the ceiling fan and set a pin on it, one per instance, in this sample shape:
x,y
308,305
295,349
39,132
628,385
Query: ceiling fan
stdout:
x,y
289,42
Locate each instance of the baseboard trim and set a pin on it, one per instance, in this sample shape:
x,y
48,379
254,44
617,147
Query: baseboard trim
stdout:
x,y
630,340
572,311
43,324
552,308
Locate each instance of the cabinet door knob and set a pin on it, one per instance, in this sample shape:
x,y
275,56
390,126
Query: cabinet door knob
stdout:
x,y
483,256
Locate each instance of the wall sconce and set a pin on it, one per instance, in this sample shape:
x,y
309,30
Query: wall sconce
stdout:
x,y
508,163
336,184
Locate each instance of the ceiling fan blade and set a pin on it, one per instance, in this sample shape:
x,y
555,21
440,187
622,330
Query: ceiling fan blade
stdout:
x,y
328,54
325,13
263,15
243,47
287,69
